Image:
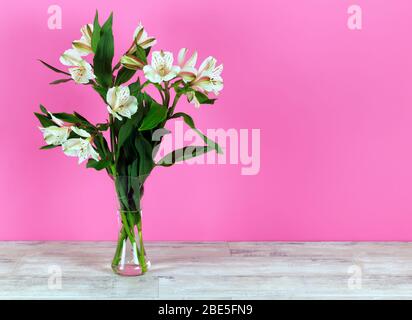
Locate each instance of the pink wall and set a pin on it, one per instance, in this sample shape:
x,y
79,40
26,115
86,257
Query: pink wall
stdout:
x,y
334,108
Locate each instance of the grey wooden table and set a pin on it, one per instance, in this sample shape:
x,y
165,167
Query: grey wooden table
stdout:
x,y
265,270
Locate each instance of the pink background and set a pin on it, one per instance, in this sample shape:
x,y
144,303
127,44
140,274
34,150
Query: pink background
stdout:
x,y
334,107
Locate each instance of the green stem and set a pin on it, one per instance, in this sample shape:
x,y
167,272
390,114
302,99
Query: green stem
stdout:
x,y
112,138
167,94
142,256
175,101
126,225
116,258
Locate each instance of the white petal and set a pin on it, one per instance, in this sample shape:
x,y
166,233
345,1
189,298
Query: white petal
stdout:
x,y
157,59
192,60
80,132
129,109
71,57
55,135
172,74
217,71
149,42
181,56
138,32
188,74
151,74
93,153
122,95
56,120
111,97
82,74
72,147
207,65
167,59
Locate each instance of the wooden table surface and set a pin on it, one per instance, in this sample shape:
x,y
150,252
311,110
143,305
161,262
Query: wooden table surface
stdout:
x,y
235,270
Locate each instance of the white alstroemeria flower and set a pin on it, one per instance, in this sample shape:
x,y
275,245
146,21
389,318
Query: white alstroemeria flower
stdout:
x,y
209,77
81,71
80,147
84,45
162,68
141,38
121,103
54,135
188,71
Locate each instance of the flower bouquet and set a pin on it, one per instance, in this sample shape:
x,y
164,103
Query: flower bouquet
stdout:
x,y
125,146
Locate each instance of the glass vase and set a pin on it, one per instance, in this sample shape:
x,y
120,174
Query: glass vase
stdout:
x,y
130,256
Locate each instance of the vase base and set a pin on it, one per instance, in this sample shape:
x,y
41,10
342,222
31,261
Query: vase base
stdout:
x,y
130,270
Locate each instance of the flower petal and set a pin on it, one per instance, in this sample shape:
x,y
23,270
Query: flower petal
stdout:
x,y
129,108
188,74
72,147
55,135
70,58
151,74
174,71
181,57
80,132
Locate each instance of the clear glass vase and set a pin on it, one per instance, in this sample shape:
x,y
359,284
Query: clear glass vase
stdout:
x,y
130,256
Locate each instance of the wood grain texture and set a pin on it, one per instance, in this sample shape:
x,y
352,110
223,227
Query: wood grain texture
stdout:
x,y
264,270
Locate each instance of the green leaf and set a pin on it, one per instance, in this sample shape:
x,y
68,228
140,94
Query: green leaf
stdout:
x,y
104,55
124,75
182,154
135,88
53,68
49,146
125,130
60,81
203,99
141,54
189,121
44,110
44,121
103,126
102,147
98,165
145,150
157,113
101,91
83,119
96,32
67,117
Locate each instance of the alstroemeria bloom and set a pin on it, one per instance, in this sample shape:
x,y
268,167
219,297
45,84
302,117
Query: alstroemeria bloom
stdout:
x,y
141,38
188,71
84,45
54,135
121,103
209,77
80,147
81,71
162,68
131,62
